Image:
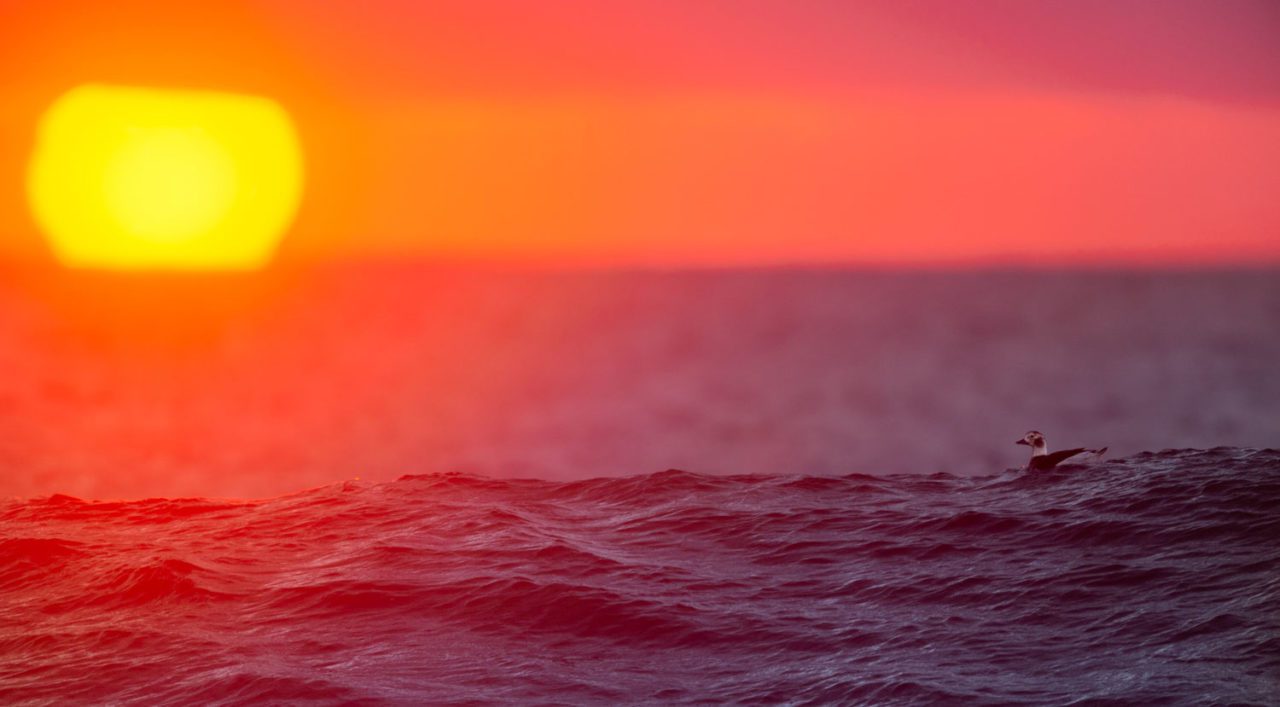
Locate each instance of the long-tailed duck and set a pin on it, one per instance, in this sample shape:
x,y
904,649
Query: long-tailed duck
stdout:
x,y
1042,460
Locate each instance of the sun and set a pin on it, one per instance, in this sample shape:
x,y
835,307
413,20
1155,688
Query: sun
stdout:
x,y
129,178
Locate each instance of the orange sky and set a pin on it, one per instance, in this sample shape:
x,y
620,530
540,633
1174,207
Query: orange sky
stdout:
x,y
717,132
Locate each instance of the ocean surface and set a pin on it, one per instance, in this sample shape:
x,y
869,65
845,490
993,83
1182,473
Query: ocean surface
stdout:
x,y
1152,579
260,385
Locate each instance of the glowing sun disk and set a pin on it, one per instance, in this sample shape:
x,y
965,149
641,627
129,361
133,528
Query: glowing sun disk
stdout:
x,y
129,178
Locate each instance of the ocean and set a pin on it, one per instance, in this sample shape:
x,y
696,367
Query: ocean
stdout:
x,y
1150,579
402,485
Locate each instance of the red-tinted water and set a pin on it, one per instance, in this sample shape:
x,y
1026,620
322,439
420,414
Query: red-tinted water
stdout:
x,y
1147,580
251,386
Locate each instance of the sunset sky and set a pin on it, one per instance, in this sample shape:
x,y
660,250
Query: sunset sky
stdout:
x,y
717,132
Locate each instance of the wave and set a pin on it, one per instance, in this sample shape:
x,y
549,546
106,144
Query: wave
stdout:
x,y
1146,579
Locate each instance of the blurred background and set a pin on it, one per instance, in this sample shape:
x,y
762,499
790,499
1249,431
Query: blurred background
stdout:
x,y
568,239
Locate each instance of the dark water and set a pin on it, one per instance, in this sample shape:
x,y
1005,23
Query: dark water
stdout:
x,y
1153,579
254,387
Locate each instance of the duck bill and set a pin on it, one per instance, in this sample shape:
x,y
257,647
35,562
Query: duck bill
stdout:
x,y
1022,441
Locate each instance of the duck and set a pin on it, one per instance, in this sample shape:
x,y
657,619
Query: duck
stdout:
x,y
1042,460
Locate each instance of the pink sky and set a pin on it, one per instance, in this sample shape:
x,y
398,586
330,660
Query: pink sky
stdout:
x,y
718,132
